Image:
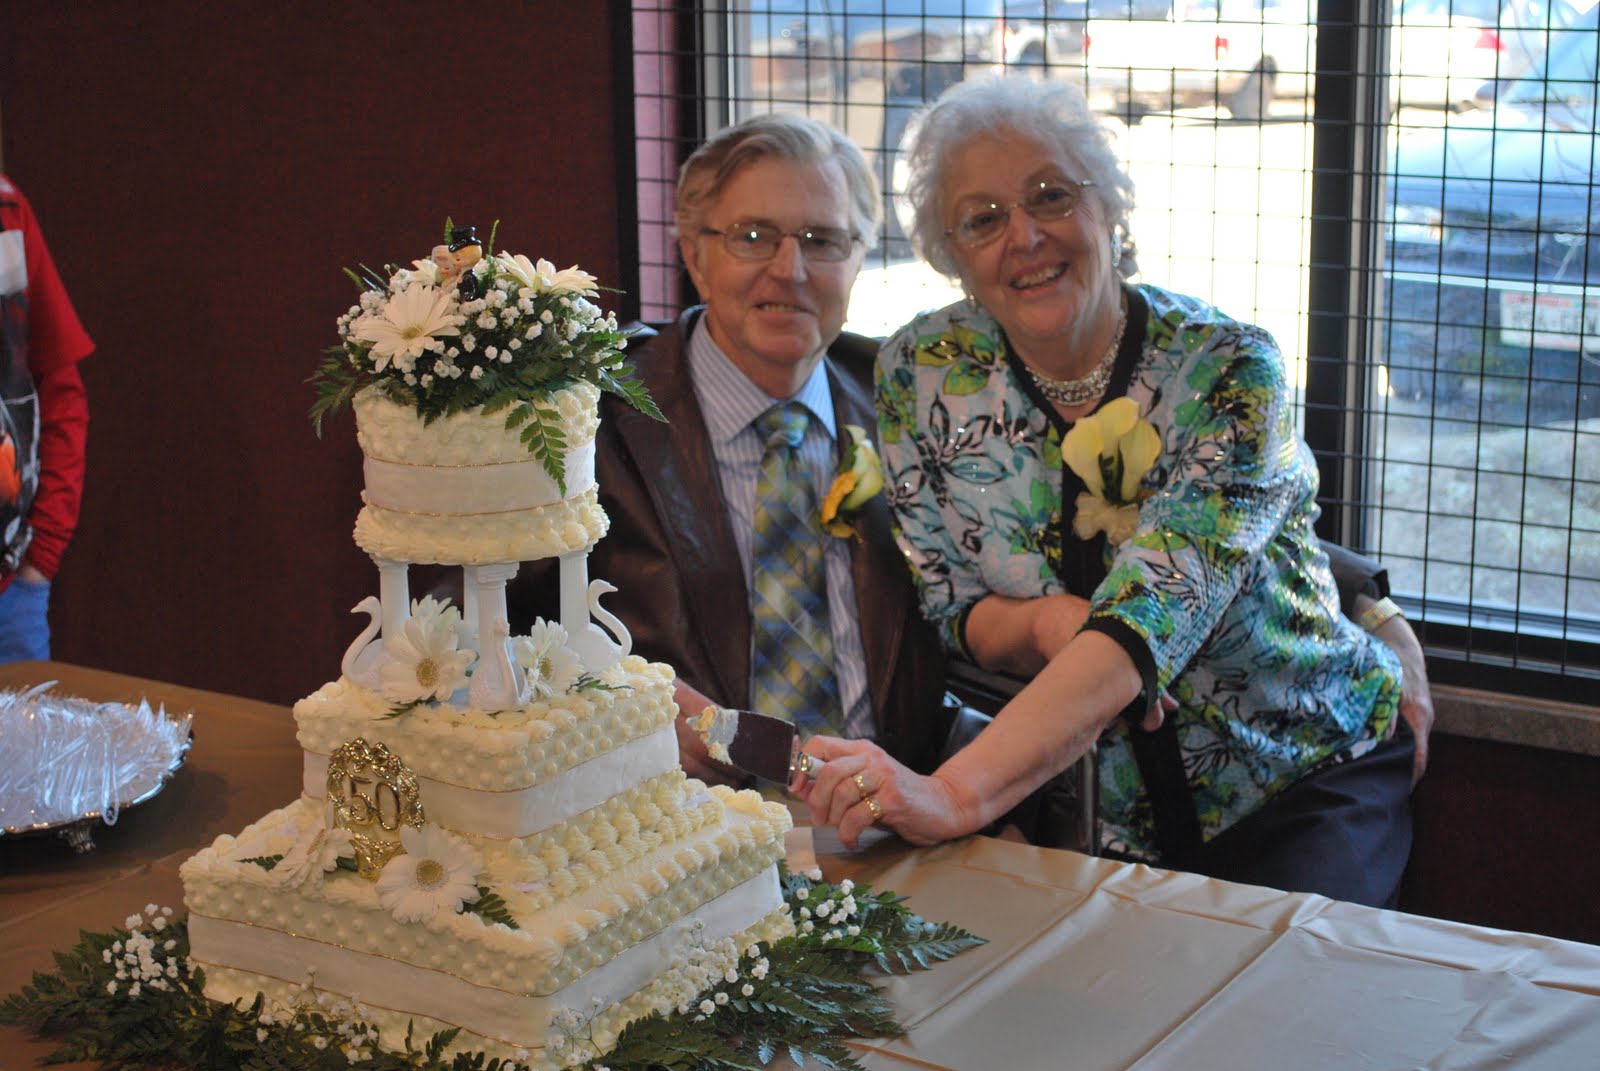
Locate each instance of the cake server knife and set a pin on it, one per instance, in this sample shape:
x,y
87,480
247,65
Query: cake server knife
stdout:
x,y
756,743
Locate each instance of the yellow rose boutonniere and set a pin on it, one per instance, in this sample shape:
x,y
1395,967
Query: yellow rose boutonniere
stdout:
x,y
860,477
1110,451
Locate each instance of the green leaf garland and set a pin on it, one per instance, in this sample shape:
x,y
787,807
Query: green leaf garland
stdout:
x,y
128,998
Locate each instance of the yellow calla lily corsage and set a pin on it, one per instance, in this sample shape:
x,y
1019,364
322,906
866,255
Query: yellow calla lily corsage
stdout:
x,y
1111,451
860,477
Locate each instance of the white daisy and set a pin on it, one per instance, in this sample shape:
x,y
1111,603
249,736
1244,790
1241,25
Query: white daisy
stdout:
x,y
314,855
438,870
519,268
573,280
425,272
401,330
424,660
443,609
553,668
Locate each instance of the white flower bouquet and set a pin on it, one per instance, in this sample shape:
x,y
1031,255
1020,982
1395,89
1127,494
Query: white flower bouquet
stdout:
x,y
468,327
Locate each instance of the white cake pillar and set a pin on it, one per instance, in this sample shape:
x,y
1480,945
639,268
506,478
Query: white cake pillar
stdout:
x,y
580,600
469,612
498,682
394,591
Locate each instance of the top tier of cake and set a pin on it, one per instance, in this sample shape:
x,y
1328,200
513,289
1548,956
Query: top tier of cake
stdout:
x,y
464,490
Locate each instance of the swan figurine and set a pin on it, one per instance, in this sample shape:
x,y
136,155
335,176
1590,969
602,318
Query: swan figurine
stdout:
x,y
498,683
363,657
602,645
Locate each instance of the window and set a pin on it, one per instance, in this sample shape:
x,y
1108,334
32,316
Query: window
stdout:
x,y
1483,490
1425,270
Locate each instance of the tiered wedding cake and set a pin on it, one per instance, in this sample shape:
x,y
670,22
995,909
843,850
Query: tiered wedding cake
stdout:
x,y
493,833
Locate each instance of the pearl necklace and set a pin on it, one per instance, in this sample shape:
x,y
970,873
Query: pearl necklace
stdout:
x,y
1073,392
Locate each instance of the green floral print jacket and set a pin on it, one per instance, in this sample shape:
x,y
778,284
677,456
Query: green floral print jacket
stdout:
x,y
1222,595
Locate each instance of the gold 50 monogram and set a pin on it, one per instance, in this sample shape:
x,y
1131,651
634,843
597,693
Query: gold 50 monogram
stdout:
x,y
372,794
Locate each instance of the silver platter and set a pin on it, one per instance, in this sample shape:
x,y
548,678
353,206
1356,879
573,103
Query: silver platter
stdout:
x,y
136,728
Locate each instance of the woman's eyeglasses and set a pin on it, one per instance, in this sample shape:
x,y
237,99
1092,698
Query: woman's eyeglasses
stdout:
x,y
760,241
1050,200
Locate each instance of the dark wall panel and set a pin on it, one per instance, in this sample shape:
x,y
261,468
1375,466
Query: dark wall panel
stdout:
x,y
1506,837
203,171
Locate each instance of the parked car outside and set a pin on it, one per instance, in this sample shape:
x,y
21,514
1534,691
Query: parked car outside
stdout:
x,y
1242,54
1142,56
1462,53
1042,33
912,48
867,65
1492,277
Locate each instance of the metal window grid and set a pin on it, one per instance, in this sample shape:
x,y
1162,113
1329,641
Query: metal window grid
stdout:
x,y
1468,461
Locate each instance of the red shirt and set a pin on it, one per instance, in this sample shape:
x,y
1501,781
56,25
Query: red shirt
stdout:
x,y
56,343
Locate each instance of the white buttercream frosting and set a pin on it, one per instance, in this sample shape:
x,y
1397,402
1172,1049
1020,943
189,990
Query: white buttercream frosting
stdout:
x,y
389,431
524,812
577,949
476,490
496,752
463,490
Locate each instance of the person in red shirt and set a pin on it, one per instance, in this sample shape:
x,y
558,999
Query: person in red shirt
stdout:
x,y
44,422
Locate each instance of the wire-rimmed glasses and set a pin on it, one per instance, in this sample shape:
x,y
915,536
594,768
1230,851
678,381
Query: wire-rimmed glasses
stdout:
x,y
1049,200
761,241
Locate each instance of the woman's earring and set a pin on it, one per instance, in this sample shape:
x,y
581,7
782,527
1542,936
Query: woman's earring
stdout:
x,y
1124,255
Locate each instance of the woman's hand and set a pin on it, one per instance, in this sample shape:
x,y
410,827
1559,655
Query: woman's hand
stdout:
x,y
1045,728
858,774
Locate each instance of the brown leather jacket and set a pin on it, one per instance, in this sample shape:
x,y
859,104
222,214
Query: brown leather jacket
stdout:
x,y
671,553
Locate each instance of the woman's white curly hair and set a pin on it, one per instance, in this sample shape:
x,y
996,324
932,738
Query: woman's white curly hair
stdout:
x,y
1052,112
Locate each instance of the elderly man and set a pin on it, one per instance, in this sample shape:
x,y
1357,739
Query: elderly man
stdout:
x,y
774,217
715,536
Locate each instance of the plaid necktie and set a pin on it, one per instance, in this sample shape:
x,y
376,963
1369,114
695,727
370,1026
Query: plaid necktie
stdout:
x,y
792,668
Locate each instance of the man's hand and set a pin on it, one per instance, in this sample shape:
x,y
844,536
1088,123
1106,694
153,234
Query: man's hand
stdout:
x,y
1056,620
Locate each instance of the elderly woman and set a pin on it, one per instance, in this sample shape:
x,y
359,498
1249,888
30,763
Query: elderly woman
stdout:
x,y
1101,490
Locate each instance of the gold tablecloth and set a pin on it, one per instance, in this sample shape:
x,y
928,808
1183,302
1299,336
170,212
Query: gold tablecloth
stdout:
x,y
1090,964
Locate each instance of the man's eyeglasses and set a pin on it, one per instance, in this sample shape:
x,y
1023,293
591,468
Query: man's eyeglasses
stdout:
x,y
760,241
1052,199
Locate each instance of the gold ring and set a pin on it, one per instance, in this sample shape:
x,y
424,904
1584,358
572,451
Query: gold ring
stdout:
x,y
861,787
877,811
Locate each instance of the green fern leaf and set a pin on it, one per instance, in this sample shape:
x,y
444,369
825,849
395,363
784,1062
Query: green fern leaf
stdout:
x,y
491,908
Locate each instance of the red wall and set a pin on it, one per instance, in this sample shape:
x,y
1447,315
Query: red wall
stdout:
x,y
203,171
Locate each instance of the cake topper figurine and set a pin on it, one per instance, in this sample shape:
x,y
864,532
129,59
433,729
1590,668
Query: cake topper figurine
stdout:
x,y
455,262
